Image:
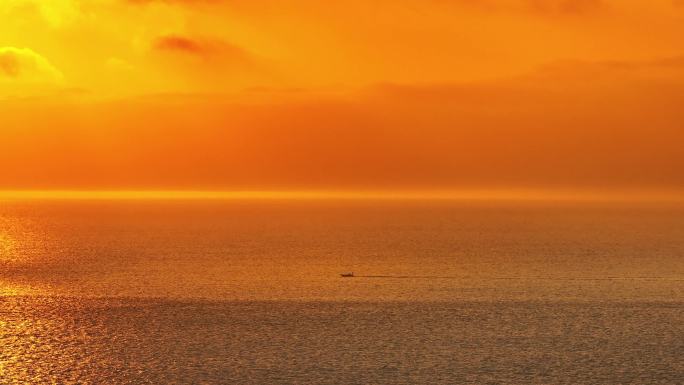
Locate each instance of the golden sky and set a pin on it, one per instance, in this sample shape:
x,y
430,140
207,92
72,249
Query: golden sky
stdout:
x,y
307,94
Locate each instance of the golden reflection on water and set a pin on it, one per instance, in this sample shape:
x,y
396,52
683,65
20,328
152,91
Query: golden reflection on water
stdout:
x,y
12,289
10,255
12,236
19,247
7,247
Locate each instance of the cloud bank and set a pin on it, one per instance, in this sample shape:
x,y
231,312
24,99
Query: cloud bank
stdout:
x,y
582,126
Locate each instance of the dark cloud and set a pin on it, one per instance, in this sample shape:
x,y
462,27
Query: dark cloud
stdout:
x,y
208,48
181,44
211,62
9,65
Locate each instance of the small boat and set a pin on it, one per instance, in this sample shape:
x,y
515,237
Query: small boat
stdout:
x,y
347,275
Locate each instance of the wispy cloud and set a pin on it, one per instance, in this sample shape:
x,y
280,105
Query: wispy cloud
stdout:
x,y
180,2
25,65
57,13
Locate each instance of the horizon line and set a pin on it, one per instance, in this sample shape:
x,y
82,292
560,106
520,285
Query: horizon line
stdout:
x,y
453,194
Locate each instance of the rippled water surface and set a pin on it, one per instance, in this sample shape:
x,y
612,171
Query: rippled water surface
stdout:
x,y
250,292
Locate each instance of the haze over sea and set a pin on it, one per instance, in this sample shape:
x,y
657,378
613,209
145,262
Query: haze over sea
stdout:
x,y
249,292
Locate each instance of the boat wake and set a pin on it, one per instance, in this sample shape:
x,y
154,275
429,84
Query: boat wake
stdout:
x,y
670,279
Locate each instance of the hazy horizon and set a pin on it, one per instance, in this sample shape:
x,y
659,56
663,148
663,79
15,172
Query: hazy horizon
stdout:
x,y
583,195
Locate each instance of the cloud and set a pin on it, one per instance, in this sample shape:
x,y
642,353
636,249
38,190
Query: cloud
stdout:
x,y
548,7
670,69
57,13
675,61
214,50
118,65
544,130
539,7
181,2
565,6
25,65
209,63
181,44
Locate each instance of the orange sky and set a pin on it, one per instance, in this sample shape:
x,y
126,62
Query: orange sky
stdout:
x,y
304,94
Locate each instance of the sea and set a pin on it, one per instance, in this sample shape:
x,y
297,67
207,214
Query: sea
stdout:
x,y
240,291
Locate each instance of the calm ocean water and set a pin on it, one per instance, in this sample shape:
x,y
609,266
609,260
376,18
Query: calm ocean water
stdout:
x,y
249,292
